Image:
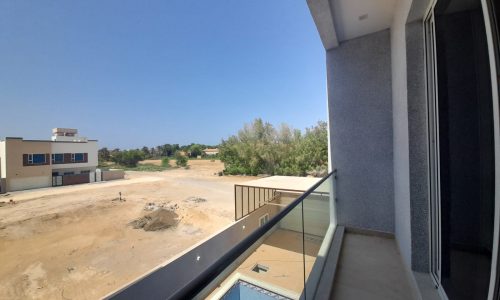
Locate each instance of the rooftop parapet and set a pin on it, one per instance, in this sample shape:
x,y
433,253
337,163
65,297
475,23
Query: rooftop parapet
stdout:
x,y
66,135
64,132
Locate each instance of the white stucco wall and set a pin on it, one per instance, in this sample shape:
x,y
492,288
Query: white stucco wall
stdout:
x,y
3,165
400,134
27,183
67,147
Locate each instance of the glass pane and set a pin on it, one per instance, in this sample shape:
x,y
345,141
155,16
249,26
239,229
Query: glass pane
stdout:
x,y
466,158
273,265
316,223
38,158
58,157
79,157
265,253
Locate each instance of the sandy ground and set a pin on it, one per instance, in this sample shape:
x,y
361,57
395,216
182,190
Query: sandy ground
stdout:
x,y
76,242
155,162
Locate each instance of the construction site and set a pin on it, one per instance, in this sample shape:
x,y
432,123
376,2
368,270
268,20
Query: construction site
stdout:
x,y
81,242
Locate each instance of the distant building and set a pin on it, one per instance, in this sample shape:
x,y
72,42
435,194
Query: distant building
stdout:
x,y
29,164
211,152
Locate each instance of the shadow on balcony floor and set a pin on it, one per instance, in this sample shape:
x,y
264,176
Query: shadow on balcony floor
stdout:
x,y
370,267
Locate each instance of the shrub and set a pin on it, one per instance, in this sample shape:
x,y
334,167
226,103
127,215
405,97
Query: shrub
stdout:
x,y
165,162
180,160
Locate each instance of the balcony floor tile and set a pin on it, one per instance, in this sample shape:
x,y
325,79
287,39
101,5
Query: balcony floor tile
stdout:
x,y
370,267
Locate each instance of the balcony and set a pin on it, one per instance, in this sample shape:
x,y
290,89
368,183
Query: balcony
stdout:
x,y
413,212
298,253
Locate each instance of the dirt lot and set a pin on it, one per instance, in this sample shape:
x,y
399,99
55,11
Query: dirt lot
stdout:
x,y
77,242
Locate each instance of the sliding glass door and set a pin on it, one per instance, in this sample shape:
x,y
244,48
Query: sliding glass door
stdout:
x,y
461,148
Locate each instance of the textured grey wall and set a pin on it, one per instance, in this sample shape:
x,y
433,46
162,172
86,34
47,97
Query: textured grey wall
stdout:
x,y
418,145
418,9
360,109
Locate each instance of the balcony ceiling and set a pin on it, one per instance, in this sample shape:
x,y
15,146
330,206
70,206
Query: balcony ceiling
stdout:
x,y
341,20
355,18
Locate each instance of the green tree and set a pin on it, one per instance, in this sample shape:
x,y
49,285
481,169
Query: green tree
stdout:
x,y
195,150
153,153
103,155
180,160
114,152
128,158
312,151
260,148
175,148
147,153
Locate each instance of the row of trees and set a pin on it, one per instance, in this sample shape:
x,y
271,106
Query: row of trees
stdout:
x,y
259,148
130,158
166,150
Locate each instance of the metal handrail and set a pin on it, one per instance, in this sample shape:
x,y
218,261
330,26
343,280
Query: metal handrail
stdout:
x,y
194,287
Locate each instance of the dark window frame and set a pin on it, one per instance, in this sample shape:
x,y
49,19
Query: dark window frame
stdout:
x,y
34,159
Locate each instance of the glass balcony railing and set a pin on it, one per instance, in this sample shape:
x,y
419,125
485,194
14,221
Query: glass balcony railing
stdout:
x,y
276,251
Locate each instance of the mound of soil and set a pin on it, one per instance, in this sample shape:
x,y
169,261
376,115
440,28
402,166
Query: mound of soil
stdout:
x,y
196,200
157,220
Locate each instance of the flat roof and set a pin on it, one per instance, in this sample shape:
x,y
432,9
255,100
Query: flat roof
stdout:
x,y
290,183
48,141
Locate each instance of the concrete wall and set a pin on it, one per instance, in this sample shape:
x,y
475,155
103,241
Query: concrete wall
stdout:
x,y
400,134
28,183
92,177
21,177
413,228
411,182
112,175
15,148
361,120
72,147
417,10
418,146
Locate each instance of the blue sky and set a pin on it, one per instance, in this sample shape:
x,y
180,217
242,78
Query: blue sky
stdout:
x,y
134,73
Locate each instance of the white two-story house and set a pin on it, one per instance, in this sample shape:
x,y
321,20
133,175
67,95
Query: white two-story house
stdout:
x,y
29,164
